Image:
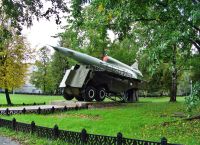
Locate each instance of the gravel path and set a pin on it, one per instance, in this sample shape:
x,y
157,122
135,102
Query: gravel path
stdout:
x,y
7,141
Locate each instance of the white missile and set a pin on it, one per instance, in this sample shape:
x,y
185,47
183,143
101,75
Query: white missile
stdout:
x,y
109,64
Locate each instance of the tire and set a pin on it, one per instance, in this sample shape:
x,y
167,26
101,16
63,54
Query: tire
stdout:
x,y
68,97
101,94
79,98
89,93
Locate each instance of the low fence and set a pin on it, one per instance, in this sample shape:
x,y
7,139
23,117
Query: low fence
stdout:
x,y
79,138
23,104
41,111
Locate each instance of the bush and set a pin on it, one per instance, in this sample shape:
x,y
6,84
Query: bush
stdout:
x,y
193,101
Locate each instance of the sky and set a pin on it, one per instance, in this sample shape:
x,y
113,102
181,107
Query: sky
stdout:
x,y
40,33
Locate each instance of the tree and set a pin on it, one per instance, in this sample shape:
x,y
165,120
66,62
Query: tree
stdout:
x,y
162,27
42,77
13,55
58,66
24,12
193,101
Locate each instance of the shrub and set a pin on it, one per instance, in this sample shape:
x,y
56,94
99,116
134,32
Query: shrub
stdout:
x,y
193,101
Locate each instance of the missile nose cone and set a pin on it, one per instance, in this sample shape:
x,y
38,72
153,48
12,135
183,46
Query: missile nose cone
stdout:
x,y
54,47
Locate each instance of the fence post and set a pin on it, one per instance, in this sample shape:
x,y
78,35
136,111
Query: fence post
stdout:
x,y
39,110
84,136
52,109
24,111
32,127
119,138
14,122
163,141
56,131
7,111
76,108
65,108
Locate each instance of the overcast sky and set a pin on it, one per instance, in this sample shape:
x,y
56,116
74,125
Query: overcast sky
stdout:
x,y
40,33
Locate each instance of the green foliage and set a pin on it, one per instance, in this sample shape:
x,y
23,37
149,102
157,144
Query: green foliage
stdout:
x,y
126,51
13,56
194,66
158,33
42,77
29,139
193,101
23,12
58,66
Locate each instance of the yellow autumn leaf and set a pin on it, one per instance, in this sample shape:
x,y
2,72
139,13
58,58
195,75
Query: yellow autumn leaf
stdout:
x,y
100,8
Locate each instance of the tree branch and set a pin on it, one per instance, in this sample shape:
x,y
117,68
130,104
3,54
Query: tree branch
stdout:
x,y
196,44
198,29
145,19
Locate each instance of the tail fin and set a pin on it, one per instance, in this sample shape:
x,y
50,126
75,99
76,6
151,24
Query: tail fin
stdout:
x,y
135,65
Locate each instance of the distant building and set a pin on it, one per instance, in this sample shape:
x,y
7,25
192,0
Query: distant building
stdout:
x,y
28,87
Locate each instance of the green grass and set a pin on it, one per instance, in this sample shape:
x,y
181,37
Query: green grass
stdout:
x,y
150,119
19,98
27,139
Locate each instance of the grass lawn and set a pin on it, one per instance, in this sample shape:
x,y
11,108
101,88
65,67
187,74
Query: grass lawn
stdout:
x,y
150,119
27,139
19,98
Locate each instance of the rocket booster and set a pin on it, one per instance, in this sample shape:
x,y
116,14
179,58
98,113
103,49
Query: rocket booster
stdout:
x,y
108,64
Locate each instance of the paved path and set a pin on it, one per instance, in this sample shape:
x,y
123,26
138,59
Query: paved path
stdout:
x,y
7,141
62,104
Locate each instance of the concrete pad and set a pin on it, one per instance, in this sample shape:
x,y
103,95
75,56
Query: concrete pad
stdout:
x,y
62,104
7,141
86,104
70,103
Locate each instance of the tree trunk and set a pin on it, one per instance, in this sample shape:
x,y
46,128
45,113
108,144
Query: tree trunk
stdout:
x,y
174,77
8,97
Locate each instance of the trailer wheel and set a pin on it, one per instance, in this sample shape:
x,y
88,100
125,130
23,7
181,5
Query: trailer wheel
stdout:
x,y
79,98
67,96
101,94
90,93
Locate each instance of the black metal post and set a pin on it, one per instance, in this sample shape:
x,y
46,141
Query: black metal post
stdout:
x,y
52,109
24,111
119,138
7,111
56,131
39,110
65,108
32,127
14,122
163,141
84,136
76,108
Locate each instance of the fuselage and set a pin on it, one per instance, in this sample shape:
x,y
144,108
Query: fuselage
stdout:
x,y
110,64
